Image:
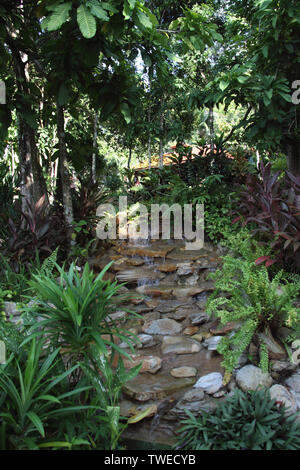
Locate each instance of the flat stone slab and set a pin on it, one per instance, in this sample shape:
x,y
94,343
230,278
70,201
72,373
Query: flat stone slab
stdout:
x,y
163,326
180,345
184,371
144,388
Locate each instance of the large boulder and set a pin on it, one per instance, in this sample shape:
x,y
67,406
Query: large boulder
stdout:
x,y
251,377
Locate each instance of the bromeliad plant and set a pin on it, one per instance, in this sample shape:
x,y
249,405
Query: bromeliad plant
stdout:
x,y
244,294
75,310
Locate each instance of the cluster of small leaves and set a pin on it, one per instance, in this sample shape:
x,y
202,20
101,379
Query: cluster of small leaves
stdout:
x,y
245,294
245,421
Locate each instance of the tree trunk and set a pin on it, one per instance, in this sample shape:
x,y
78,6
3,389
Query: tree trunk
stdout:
x,y
64,170
129,158
161,138
33,185
293,156
94,169
211,128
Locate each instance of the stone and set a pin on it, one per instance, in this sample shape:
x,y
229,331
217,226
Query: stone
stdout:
x,y
150,387
179,315
147,341
210,383
150,364
190,330
199,318
281,366
148,252
166,268
251,377
184,371
168,306
117,316
196,407
193,395
212,343
163,326
11,312
202,335
164,292
183,269
223,330
283,396
180,345
293,382
275,350
184,292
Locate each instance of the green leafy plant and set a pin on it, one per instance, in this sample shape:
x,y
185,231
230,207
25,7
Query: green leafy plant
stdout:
x,y
75,311
245,294
31,397
245,421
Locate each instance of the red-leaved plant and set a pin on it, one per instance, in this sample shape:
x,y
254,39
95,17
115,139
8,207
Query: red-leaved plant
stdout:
x,y
272,204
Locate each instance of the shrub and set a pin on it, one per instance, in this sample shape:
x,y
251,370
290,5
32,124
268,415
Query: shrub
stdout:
x,y
245,421
75,311
245,294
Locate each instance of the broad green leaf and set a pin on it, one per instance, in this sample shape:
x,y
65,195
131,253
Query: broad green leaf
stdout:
x,y
97,10
125,110
144,19
86,22
59,16
223,85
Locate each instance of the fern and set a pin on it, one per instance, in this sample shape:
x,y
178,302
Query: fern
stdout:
x,y
49,264
245,294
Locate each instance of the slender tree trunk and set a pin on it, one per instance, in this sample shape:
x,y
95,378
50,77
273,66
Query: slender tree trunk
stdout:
x,y
211,128
161,137
293,156
64,170
129,158
149,153
94,172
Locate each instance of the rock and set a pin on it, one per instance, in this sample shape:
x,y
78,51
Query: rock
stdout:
x,y
117,316
220,331
196,407
150,387
293,382
163,326
166,268
190,330
179,315
150,364
129,409
199,318
183,269
168,306
194,395
191,280
147,341
219,394
275,350
281,366
151,316
184,372
295,344
284,397
156,291
212,343
184,292
180,345
251,377
210,383
148,252
201,335
11,312
297,399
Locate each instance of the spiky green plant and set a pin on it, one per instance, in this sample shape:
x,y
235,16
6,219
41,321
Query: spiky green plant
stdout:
x,y
74,312
245,421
